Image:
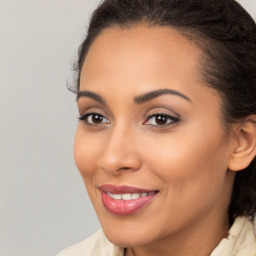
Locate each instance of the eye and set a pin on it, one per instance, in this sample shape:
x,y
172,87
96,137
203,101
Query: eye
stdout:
x,y
161,120
94,119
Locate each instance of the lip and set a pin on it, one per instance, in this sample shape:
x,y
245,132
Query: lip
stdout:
x,y
125,207
123,189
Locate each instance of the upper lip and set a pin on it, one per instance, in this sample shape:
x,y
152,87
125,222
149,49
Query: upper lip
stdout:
x,y
114,189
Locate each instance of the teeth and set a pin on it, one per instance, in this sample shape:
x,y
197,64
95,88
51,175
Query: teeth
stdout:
x,y
129,196
126,196
135,196
117,196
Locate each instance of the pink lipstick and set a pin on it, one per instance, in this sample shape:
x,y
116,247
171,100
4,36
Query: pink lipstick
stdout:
x,y
125,200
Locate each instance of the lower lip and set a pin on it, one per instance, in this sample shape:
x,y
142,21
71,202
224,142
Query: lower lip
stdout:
x,y
125,207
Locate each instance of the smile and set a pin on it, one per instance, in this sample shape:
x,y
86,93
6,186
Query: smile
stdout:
x,y
129,196
124,200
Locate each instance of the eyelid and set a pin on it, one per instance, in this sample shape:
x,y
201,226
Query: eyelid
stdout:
x,y
174,120
86,106
85,116
162,114
162,110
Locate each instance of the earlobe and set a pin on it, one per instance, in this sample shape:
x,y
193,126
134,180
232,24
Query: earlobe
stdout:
x,y
245,149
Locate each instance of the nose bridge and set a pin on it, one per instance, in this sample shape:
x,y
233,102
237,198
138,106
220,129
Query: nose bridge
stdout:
x,y
119,152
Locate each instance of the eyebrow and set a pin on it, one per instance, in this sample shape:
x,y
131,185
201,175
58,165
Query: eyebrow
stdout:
x,y
138,99
154,94
91,95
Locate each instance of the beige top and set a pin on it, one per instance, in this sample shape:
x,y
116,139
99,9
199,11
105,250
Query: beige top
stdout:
x,y
240,242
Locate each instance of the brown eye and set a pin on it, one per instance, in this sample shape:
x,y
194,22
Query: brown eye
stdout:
x,y
161,120
94,119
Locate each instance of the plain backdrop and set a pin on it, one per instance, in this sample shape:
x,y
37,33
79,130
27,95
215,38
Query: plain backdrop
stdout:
x,y
43,202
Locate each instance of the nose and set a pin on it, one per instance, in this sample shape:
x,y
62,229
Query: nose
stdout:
x,y
120,152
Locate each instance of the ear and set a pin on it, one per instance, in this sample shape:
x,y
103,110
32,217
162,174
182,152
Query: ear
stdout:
x,y
244,149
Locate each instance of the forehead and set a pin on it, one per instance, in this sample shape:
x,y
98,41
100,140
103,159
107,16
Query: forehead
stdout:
x,y
141,51
125,62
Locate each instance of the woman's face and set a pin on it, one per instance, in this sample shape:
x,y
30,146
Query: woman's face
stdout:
x,y
150,146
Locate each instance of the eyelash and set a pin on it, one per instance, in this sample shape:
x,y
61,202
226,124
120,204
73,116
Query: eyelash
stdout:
x,y
171,120
86,116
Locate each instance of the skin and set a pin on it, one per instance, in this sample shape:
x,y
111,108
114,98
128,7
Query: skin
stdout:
x,y
186,161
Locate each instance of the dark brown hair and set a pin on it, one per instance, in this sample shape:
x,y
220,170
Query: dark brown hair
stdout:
x,y
226,34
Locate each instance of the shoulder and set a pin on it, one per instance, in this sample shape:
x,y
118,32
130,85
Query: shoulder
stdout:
x,y
97,244
241,240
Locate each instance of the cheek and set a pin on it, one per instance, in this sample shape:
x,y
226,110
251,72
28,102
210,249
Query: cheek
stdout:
x,y
192,174
187,164
86,152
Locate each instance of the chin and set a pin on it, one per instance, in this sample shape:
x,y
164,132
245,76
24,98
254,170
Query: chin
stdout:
x,y
126,241
127,238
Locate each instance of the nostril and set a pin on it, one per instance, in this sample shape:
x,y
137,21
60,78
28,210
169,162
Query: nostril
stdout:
x,y
113,161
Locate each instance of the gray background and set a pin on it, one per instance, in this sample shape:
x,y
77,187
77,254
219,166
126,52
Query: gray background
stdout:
x,y
43,204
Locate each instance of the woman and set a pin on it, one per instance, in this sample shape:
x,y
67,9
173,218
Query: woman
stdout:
x,y
166,141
